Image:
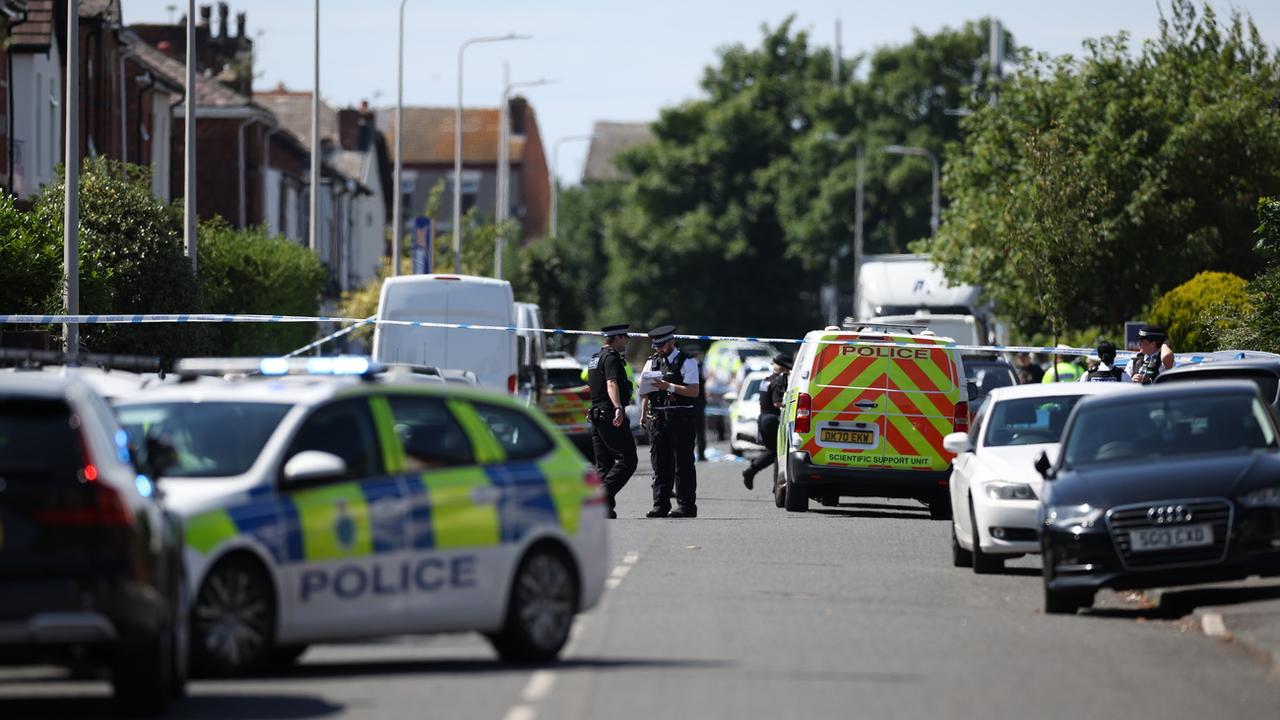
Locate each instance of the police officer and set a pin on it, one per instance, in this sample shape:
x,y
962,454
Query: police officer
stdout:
x,y
611,439
1154,355
772,390
671,411
1106,370
1063,370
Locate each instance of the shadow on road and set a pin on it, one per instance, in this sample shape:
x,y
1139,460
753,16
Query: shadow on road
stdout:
x,y
197,706
873,510
323,670
1179,603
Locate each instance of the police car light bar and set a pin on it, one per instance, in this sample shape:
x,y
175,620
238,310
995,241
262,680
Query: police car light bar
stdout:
x,y
349,365
21,357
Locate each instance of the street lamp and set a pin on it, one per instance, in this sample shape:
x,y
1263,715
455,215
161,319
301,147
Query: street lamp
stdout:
x,y
314,210
504,168
397,227
457,146
860,153
555,162
933,160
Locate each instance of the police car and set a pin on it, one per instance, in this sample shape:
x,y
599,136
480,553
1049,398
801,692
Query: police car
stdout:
x,y
323,508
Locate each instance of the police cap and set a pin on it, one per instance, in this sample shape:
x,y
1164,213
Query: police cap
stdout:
x,y
783,359
1151,332
612,330
662,334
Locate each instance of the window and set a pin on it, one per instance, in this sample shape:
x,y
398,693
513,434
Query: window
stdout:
x,y
1027,421
429,433
38,441
564,378
345,429
39,125
211,439
515,431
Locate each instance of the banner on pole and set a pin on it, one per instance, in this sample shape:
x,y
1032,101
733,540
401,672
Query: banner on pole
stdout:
x,y
423,246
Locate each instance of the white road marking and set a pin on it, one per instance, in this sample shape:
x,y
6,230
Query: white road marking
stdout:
x,y
1213,625
539,685
621,571
520,712
631,558
612,582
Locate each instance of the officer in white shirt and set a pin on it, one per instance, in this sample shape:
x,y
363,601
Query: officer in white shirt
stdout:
x,y
671,413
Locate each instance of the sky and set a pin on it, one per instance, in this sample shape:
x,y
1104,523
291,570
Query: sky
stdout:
x,y
613,60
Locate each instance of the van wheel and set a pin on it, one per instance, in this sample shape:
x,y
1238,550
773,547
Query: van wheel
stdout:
x,y
983,563
234,618
797,499
544,599
779,489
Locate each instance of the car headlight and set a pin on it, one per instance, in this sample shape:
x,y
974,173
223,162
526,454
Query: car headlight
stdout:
x,y
1264,498
1068,516
1000,490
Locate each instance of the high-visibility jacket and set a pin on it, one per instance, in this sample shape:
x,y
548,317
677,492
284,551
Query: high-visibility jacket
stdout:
x,y
1062,372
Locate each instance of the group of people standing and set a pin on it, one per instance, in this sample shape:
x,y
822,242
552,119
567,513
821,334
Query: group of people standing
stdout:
x,y
1154,356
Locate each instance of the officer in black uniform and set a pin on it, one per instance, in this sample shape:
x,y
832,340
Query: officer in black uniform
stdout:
x,y
1106,370
1150,361
671,411
611,438
772,391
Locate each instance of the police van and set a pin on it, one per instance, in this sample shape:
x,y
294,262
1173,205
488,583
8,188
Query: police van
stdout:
x,y
324,508
865,414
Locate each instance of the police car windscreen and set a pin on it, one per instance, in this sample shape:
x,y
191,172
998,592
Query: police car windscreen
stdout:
x,y
1028,421
1155,429
211,439
564,378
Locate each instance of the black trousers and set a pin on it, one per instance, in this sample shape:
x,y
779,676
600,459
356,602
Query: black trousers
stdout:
x,y
768,425
671,453
615,451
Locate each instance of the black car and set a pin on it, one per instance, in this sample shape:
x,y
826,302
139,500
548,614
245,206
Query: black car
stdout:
x,y
1168,485
1265,372
91,564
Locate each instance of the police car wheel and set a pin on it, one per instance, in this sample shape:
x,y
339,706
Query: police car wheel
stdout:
x,y
541,608
234,618
779,490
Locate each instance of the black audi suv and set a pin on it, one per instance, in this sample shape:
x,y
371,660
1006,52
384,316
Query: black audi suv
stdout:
x,y
1175,485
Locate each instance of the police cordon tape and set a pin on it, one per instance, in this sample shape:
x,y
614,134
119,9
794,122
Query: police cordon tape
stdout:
x,y
195,318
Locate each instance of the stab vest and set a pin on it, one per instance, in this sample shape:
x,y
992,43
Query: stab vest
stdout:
x,y
766,394
1099,375
599,384
672,374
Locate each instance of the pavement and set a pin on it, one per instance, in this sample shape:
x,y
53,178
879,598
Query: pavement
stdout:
x,y
749,611
1244,613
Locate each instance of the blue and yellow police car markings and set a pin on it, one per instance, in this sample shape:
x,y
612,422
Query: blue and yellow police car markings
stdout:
x,y
525,499
208,530
334,522
564,472
460,508
385,424
483,445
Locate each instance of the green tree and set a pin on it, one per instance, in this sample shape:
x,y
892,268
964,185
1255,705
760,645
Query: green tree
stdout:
x,y
1257,327
30,263
1181,134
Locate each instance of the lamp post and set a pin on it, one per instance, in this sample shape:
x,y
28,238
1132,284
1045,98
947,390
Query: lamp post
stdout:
x,y
314,217
397,228
71,186
555,162
189,142
504,168
457,146
860,155
933,160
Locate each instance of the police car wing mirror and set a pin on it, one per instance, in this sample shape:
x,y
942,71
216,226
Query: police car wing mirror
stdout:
x,y
957,443
157,457
311,466
1044,466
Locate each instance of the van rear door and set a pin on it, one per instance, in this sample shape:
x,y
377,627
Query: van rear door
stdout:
x,y
848,389
923,391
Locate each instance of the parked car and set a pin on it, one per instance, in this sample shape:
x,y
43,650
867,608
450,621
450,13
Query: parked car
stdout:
x,y
91,563
744,411
995,489
1175,484
567,398
1264,372
986,373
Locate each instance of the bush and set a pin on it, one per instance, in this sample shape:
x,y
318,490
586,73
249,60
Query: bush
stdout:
x,y
30,263
131,260
1258,326
1188,311
253,272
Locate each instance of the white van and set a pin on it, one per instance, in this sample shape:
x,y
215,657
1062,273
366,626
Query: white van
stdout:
x,y
453,299
532,382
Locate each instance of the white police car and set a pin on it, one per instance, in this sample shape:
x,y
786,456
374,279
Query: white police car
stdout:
x,y
327,508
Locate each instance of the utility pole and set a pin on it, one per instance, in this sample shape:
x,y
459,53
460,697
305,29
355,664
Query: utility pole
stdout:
x,y
397,227
189,143
836,60
314,234
71,188
996,51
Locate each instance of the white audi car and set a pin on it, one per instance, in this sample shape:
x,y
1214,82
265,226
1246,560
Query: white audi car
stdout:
x,y
995,489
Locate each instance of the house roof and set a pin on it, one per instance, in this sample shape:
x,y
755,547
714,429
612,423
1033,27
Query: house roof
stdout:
x,y
293,110
429,132
209,92
610,139
36,32
106,9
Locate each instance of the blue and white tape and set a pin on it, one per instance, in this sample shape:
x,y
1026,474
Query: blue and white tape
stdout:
x,y
361,322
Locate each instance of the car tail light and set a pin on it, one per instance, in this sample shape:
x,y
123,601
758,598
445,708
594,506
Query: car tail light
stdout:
x,y
105,508
804,411
962,417
595,488
512,384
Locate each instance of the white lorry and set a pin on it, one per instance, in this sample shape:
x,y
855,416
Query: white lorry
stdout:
x,y
911,289
452,299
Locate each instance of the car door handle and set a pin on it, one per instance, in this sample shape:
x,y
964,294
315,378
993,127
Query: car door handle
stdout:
x,y
388,507
867,404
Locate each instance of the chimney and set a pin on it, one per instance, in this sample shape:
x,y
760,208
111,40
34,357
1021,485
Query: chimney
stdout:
x,y
206,12
516,108
240,22
348,128
223,11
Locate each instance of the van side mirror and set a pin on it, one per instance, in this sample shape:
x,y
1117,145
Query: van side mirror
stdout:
x,y
1044,466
